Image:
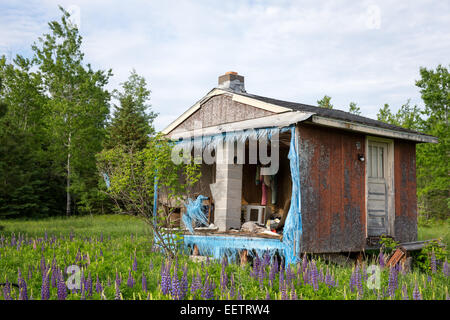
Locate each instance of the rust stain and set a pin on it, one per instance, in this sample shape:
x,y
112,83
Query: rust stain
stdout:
x,y
405,191
333,190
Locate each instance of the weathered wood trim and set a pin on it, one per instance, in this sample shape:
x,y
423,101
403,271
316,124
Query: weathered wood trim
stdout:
x,y
372,130
277,120
260,104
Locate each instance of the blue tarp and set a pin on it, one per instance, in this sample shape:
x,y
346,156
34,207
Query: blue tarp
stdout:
x,y
293,225
194,213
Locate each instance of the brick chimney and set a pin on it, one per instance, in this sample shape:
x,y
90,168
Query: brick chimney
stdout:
x,y
232,81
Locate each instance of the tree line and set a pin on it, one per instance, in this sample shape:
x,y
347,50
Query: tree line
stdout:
x,y
432,160
55,118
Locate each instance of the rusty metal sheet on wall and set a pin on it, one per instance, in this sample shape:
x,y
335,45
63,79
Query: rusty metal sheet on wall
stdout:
x,y
333,190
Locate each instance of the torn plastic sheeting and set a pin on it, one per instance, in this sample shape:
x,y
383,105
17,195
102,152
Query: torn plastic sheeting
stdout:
x,y
212,141
194,213
293,225
230,246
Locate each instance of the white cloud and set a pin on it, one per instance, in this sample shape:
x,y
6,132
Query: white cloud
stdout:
x,y
292,50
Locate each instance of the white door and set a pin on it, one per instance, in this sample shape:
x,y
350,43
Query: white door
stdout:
x,y
377,193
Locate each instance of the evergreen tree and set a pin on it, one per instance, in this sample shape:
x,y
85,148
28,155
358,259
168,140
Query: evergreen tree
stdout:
x,y
132,123
352,108
325,102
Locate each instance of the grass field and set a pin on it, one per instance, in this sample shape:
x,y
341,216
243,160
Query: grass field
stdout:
x,y
435,230
118,262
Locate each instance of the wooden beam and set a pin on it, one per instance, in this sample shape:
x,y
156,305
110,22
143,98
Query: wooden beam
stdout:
x,y
351,126
278,120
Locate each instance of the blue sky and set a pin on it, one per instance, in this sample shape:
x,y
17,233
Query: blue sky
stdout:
x,y
368,52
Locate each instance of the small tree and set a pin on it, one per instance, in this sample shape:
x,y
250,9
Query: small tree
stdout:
x,y
132,175
352,108
325,102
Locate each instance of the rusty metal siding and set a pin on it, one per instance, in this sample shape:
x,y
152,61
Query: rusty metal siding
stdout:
x,y
219,110
333,190
405,223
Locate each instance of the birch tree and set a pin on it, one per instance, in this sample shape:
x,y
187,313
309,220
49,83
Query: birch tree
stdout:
x,y
77,108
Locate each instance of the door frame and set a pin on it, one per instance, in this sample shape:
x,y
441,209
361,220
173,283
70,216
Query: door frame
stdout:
x,y
389,177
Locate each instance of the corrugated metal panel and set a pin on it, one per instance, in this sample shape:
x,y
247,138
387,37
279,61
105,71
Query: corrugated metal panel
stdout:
x,y
333,190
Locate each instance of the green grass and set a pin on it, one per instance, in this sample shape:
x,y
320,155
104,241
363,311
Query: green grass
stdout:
x,y
109,225
435,230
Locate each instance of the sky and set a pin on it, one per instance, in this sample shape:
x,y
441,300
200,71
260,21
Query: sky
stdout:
x,y
368,52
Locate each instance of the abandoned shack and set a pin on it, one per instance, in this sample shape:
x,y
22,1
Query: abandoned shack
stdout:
x,y
323,181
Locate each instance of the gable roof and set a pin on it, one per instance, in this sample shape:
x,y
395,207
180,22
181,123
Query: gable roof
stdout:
x,y
323,116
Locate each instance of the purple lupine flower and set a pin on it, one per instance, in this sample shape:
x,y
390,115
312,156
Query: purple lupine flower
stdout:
x,y
261,274
272,274
433,262
358,282
62,292
404,292
196,283
130,280
304,263
184,285
135,263
393,281
267,295
232,287
314,276
43,266
281,279
98,285
416,293
283,289
381,259
23,291
266,259
144,282
275,264
54,276
7,290
175,288
321,276
45,287
293,294
329,279
23,294
289,275
118,279
165,279
207,290
89,284
223,278
118,294
239,296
